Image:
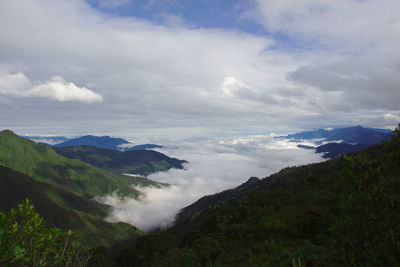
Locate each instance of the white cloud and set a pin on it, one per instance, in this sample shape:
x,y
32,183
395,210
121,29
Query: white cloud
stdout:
x,y
233,87
337,24
155,208
214,165
56,88
12,83
362,82
353,52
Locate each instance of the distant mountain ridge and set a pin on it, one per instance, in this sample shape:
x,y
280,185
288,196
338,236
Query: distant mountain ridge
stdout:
x,y
50,140
356,134
62,189
141,162
96,141
45,165
351,139
334,150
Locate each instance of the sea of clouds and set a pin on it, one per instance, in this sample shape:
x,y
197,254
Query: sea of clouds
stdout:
x,y
213,165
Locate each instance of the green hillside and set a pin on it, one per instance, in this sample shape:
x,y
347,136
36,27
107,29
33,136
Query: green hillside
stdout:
x,y
342,212
42,163
63,209
141,162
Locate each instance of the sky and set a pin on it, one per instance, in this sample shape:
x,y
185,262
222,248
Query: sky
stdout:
x,y
183,69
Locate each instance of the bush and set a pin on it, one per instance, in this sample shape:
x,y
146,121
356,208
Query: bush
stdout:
x,y
25,240
367,229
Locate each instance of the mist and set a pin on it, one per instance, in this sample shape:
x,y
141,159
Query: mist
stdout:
x,y
213,165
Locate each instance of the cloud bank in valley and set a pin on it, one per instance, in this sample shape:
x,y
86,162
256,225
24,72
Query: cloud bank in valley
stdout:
x,y
214,165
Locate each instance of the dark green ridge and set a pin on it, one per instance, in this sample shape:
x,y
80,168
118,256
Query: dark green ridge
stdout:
x,y
342,212
44,164
141,162
63,209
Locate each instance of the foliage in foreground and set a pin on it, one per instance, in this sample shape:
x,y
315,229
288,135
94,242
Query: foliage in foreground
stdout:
x,y
26,241
368,226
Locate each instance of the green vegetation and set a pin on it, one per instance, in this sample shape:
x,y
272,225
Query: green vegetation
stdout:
x,y
42,163
26,241
368,225
141,162
62,189
63,209
342,212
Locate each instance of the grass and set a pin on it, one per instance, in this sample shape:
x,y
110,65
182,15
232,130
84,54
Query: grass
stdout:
x,y
44,164
63,209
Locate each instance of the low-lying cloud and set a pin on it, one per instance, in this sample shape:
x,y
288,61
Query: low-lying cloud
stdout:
x,y
214,165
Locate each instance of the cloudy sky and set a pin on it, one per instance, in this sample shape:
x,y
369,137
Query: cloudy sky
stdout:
x,y
197,68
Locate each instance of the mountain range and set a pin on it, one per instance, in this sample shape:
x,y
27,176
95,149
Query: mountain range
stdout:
x,y
45,165
341,212
91,140
62,189
350,135
341,141
96,141
141,162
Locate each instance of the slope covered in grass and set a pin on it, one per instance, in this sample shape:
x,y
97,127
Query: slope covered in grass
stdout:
x,y
63,209
42,163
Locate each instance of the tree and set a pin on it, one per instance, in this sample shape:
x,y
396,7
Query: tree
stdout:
x,y
25,240
367,229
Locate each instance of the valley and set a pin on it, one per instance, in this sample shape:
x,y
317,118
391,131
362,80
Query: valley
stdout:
x,y
273,220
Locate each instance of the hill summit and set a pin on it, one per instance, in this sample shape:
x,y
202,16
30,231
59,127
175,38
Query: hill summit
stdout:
x,y
96,141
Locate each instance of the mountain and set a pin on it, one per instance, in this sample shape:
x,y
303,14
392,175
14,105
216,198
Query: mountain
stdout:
x,y
144,146
100,142
51,140
63,209
351,139
341,212
334,150
97,141
45,165
141,162
357,134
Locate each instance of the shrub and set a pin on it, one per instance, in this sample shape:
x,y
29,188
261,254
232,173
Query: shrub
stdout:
x,y
25,240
